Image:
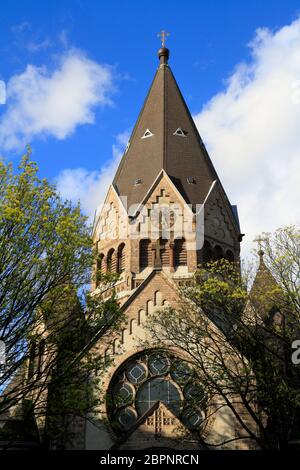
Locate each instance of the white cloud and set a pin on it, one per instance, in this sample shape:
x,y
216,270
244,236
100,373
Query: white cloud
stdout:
x,y
38,46
251,130
91,187
43,103
63,38
20,27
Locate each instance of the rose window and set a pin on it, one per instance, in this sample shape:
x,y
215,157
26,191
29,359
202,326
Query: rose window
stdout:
x,y
151,377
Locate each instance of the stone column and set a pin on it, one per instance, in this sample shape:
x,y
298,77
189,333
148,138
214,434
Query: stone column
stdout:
x,y
153,251
114,262
171,256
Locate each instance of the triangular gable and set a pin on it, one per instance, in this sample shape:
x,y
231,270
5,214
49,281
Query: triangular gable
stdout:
x,y
146,282
111,194
216,196
158,427
162,174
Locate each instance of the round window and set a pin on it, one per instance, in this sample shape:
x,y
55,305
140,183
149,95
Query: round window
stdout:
x,y
149,378
123,394
159,364
136,372
126,418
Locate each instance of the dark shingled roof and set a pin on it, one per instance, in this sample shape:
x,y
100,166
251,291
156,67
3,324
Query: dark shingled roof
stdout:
x,y
165,111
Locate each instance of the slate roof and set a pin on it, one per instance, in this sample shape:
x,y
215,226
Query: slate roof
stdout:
x,y
181,156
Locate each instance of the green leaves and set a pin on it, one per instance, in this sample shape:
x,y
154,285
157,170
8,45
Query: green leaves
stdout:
x,y
44,245
238,340
43,241
219,288
47,320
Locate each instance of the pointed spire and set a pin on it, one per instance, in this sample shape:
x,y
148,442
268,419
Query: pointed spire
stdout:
x,y
265,292
165,137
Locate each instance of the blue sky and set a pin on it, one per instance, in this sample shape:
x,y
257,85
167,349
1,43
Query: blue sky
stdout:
x,y
106,52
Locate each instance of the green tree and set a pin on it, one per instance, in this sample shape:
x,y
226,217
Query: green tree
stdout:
x,y
238,340
48,321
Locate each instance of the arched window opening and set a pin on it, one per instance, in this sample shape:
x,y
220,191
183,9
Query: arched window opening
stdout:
x,y
99,268
41,357
218,253
100,262
145,253
180,253
164,252
207,252
121,258
111,261
150,377
229,256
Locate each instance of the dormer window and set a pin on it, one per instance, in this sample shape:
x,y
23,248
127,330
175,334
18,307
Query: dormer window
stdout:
x,y
180,132
191,180
148,133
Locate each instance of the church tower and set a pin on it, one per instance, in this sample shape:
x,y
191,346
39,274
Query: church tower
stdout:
x,y
165,212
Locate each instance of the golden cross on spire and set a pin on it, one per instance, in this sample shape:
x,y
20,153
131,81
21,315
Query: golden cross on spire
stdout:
x,y
163,35
260,240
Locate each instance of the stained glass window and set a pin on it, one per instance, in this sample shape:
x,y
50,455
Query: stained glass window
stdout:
x,y
136,372
158,390
192,419
123,394
151,377
126,418
159,364
180,372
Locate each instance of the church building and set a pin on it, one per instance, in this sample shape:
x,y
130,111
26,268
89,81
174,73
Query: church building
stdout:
x,y
165,212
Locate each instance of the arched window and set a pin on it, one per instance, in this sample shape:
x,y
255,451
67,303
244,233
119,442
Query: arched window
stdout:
x,y
218,253
121,258
100,262
207,252
150,377
180,253
41,354
99,268
164,252
145,253
229,256
111,261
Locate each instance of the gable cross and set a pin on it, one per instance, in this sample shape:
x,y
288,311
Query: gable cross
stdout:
x,y
163,35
